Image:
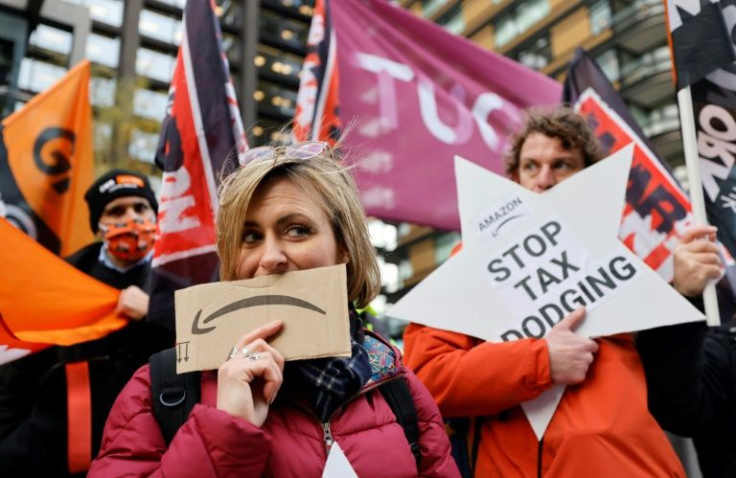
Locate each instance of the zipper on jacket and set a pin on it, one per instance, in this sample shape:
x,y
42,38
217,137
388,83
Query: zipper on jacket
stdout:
x,y
328,438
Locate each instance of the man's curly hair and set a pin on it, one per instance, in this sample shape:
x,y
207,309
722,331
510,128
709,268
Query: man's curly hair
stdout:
x,y
562,123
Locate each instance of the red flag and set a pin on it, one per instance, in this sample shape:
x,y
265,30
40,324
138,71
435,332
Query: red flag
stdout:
x,y
657,210
316,116
201,130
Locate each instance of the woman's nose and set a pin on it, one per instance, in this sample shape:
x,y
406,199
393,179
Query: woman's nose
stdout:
x,y
273,259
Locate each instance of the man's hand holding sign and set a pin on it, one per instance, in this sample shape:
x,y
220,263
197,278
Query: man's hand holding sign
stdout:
x,y
504,333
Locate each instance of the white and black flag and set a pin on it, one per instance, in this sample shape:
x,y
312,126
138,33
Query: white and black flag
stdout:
x,y
702,38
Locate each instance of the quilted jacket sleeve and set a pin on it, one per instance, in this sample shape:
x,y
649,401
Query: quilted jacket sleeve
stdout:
x,y
469,377
211,443
433,442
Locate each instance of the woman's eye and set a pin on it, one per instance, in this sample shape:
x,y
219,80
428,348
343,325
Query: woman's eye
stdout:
x,y
297,231
250,237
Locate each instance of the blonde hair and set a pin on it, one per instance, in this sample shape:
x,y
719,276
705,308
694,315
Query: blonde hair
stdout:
x,y
331,183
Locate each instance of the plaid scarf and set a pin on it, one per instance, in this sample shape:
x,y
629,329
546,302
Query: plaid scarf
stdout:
x,y
327,382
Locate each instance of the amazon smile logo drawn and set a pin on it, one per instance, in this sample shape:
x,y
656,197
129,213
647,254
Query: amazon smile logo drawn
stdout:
x,y
490,223
257,301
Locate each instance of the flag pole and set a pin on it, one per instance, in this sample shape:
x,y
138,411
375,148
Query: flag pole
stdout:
x,y
692,162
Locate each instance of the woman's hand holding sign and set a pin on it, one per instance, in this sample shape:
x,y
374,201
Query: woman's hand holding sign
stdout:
x,y
247,383
570,355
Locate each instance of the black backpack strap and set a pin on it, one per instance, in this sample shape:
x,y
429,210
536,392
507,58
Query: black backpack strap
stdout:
x,y
397,394
172,395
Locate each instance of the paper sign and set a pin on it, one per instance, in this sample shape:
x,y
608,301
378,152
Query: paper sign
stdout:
x,y
210,318
562,253
337,465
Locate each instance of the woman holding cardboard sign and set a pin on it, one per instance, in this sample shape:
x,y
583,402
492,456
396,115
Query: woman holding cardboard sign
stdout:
x,y
288,209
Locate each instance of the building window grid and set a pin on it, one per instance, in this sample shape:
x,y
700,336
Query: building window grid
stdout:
x,y
104,49
109,12
164,28
518,20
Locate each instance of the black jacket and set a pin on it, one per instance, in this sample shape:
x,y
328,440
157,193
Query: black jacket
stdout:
x,y
33,390
691,381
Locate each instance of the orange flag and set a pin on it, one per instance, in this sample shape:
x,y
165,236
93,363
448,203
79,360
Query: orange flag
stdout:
x,y
46,164
43,299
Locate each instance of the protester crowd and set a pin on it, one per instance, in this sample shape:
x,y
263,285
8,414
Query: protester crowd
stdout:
x,y
297,207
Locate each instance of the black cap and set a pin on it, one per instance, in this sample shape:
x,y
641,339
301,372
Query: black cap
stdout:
x,y
116,184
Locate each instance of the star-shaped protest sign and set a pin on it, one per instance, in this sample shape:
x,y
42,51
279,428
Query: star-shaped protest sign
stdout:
x,y
530,259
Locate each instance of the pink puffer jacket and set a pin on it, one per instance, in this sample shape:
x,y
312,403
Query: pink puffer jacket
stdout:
x,y
291,443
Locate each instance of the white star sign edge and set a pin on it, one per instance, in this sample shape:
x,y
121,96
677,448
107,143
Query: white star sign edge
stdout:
x,y
529,259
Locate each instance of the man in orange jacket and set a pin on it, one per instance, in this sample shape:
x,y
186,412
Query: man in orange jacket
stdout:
x,y
602,426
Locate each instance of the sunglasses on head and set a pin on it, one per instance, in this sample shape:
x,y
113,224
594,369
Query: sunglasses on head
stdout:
x,y
300,151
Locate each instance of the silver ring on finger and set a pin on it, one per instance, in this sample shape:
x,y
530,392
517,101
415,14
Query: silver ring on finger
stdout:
x,y
234,352
253,356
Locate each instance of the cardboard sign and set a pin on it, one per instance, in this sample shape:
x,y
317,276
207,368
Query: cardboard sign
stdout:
x,y
211,318
530,259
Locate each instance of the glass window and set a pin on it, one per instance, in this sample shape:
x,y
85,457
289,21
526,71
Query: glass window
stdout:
x,y
278,30
103,50
229,12
160,27
431,6
505,30
143,145
177,3
529,13
150,104
155,65
275,99
51,39
536,56
608,61
519,20
104,11
102,135
38,76
600,16
270,61
102,91
453,21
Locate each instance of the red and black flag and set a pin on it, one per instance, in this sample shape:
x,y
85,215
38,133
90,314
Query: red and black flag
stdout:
x,y
201,134
657,209
316,116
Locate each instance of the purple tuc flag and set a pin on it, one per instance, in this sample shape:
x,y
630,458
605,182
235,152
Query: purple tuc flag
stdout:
x,y
412,96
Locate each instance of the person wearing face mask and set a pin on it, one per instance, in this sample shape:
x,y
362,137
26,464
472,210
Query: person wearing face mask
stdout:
x,y
48,398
